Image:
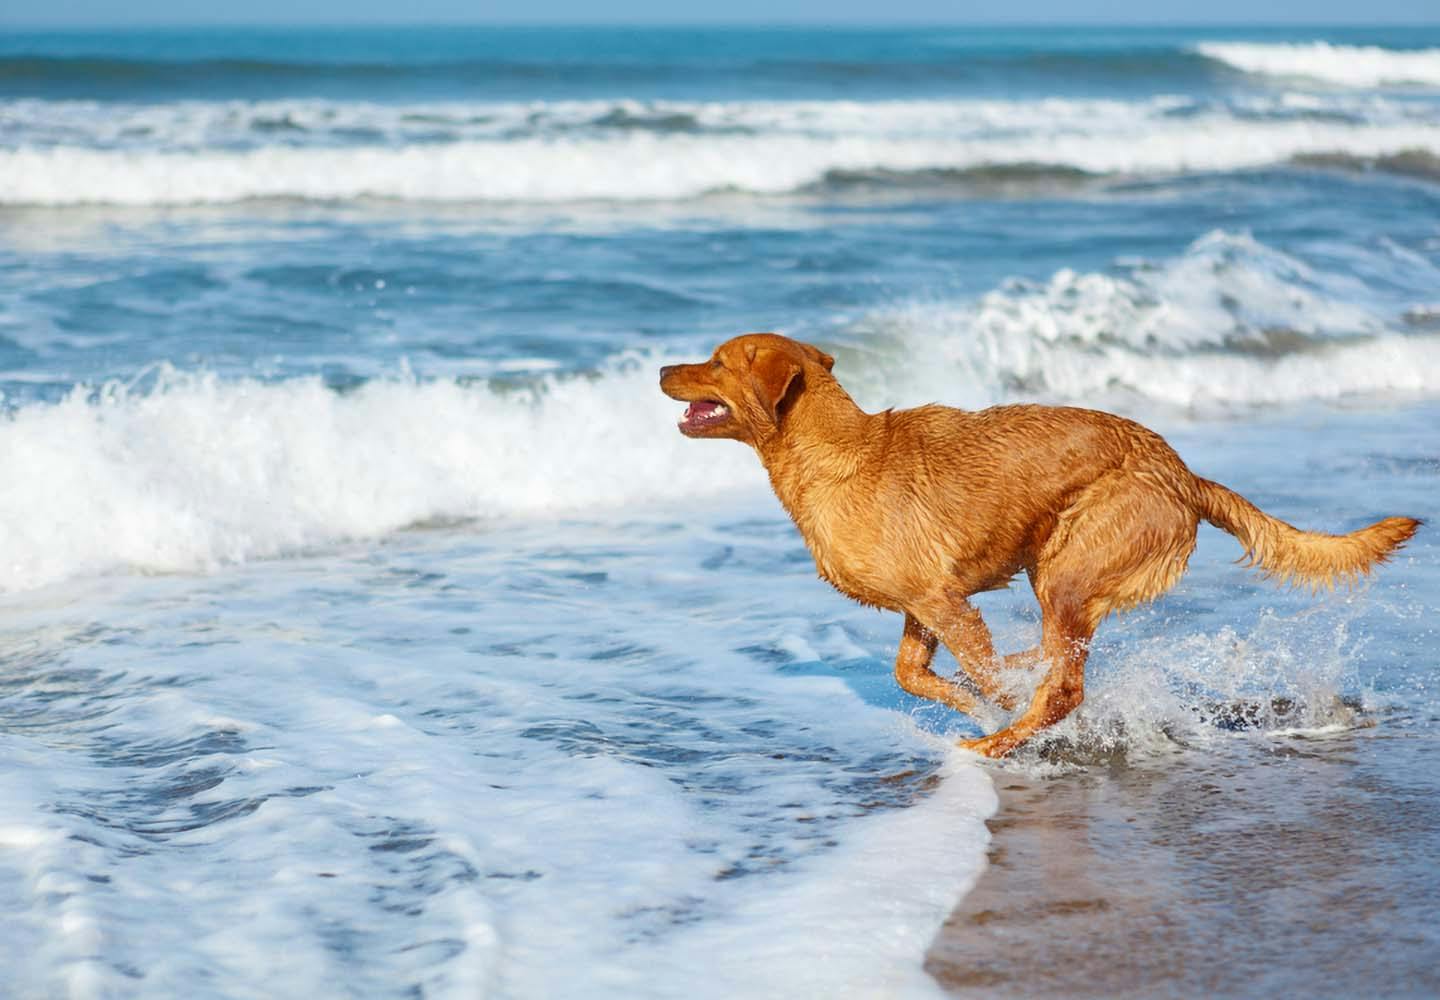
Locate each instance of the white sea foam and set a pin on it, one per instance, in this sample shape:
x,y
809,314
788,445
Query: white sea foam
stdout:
x,y
1281,673
1346,65
189,126
293,122
864,916
202,471
1229,323
758,148
456,767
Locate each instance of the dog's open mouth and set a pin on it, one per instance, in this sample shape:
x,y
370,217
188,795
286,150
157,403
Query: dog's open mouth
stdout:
x,y
703,413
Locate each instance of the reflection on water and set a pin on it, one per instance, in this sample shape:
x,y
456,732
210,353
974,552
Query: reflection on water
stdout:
x,y
1263,865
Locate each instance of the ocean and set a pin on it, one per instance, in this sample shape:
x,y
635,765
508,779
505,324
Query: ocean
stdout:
x,y
369,629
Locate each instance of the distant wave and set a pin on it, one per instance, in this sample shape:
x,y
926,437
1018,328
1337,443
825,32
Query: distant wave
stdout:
x,y
1418,163
179,472
1345,65
251,70
71,153
985,179
1229,323
96,73
235,126
101,68
188,126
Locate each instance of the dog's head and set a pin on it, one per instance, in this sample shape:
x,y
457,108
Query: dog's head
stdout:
x,y
746,388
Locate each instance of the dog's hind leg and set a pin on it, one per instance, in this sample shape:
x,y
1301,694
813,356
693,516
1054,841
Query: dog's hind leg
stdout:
x,y
1124,540
1067,630
913,673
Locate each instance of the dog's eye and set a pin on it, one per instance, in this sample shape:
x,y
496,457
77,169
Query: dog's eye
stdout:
x,y
715,363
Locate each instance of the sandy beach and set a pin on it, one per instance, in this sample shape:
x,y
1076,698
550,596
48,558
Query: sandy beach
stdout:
x,y
1283,866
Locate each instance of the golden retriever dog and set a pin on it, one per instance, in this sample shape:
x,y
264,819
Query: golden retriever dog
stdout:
x,y
917,510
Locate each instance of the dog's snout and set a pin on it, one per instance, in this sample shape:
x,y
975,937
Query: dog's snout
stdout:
x,y
667,370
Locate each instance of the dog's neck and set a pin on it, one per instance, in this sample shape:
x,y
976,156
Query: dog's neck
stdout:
x,y
822,440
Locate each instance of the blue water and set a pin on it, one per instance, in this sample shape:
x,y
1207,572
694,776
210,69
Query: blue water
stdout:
x,y
364,606
519,63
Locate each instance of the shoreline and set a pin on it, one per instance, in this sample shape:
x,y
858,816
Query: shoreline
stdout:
x,y
1274,866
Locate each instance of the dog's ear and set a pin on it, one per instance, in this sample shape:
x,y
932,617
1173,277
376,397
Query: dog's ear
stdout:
x,y
773,375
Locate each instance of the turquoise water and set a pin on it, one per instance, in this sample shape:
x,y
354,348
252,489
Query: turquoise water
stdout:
x,y
369,628
519,63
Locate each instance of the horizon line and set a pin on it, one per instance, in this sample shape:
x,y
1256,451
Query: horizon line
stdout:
x,y
778,24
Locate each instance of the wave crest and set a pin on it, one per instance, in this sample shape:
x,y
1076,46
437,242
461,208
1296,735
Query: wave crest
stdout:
x,y
196,472
54,153
1345,65
1229,323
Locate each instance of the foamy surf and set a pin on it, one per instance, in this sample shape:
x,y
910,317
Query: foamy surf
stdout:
x,y
560,154
1154,689
1343,65
866,914
488,791
1230,323
199,471
298,123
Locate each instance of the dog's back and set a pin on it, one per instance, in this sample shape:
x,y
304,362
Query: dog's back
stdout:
x,y
944,492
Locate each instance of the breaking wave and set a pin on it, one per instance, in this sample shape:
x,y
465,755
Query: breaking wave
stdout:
x,y
199,471
1229,323
73,153
1345,65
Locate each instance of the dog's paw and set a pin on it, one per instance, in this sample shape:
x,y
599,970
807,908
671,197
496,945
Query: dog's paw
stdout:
x,y
993,746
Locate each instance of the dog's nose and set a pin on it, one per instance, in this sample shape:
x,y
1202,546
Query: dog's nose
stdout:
x,y
666,370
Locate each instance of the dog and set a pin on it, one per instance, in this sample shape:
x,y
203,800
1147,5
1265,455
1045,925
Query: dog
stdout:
x,y
916,511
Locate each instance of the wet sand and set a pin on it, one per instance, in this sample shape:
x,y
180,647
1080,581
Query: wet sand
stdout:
x,y
1263,866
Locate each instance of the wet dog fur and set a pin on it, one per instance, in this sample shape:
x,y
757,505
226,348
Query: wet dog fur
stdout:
x,y
918,510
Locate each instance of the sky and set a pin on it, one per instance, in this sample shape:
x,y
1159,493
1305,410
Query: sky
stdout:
x,y
80,13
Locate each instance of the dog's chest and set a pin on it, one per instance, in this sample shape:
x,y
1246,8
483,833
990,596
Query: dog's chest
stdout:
x,y
852,548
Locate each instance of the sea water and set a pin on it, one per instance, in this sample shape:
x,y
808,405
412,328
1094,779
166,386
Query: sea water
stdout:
x,y
370,630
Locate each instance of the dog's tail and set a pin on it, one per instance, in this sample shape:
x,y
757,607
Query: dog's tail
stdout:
x,y
1302,558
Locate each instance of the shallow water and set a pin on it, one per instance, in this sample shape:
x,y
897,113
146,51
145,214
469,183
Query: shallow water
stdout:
x,y
488,759
1297,864
368,626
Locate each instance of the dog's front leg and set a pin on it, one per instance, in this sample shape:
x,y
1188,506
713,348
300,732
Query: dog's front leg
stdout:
x,y
913,673
963,631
